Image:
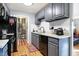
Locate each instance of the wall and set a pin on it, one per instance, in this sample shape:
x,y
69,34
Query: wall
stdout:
x,y
6,8
64,23
30,21
75,10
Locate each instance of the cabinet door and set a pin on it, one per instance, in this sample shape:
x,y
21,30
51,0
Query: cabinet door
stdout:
x,y
60,10
41,14
52,49
48,12
58,7
37,20
35,40
66,9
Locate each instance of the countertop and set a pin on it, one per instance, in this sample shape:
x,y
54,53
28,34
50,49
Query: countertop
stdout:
x,y
10,34
52,35
3,42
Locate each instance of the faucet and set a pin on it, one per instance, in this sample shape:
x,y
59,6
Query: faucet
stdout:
x,y
42,28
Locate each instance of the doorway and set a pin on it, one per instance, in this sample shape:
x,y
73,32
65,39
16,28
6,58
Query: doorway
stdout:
x,y
22,28
76,37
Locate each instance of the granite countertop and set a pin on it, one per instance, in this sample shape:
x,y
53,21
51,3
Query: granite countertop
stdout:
x,y
52,35
3,42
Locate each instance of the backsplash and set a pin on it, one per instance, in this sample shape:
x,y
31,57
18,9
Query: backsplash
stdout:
x,y
65,24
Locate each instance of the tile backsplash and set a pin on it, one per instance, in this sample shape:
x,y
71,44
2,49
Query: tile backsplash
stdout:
x,y
65,24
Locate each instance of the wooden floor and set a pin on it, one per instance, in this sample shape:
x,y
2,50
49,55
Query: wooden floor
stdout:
x,y
75,53
76,46
23,49
76,50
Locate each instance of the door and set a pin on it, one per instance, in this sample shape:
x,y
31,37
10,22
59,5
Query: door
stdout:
x,y
49,12
37,20
22,28
35,40
59,10
39,16
52,49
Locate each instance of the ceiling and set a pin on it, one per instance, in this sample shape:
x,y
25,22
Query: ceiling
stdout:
x,y
23,8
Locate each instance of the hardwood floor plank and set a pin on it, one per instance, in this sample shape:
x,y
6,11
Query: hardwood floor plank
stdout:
x,y
23,49
76,46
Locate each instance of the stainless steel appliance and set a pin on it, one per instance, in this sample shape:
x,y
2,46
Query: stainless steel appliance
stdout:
x,y
43,45
12,45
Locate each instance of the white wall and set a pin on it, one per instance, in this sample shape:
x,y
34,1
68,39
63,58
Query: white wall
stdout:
x,y
6,8
75,10
30,17
64,23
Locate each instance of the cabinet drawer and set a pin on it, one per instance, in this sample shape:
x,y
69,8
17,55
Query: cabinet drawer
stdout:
x,y
53,40
53,49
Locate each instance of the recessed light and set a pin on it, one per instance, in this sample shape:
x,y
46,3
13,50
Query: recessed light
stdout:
x,y
28,4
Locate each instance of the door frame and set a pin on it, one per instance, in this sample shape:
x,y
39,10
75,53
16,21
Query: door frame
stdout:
x,y
26,18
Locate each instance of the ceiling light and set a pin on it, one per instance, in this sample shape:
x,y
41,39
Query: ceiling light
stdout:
x,y
28,4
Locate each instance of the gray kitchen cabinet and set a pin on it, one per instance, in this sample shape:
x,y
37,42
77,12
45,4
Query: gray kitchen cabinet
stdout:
x,y
35,40
61,10
37,20
39,16
49,12
52,11
56,11
58,46
53,47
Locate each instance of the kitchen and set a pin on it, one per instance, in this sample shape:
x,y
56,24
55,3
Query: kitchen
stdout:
x,y
48,30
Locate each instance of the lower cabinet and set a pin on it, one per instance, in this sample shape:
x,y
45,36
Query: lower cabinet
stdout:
x,y
58,46
35,40
53,46
3,51
52,49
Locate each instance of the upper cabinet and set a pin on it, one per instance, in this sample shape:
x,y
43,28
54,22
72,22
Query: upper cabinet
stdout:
x,y
37,20
56,11
60,10
52,12
39,16
49,12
